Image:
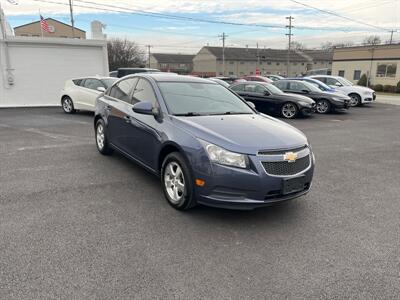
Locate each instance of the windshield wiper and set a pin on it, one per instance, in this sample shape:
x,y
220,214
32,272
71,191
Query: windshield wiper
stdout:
x,y
232,113
188,114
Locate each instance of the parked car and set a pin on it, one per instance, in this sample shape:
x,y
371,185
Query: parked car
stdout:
x,y
274,77
206,143
326,102
121,72
257,78
271,100
358,94
219,81
81,93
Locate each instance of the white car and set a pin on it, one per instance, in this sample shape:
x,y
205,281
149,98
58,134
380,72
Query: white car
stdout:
x,y
81,93
358,94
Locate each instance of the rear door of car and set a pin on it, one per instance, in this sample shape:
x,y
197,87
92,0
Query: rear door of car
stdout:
x,y
89,92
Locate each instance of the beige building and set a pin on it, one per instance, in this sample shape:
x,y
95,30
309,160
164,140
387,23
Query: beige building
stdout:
x,y
246,61
57,29
380,63
177,63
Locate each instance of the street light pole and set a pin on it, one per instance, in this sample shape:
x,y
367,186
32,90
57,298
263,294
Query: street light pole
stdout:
x,y
72,17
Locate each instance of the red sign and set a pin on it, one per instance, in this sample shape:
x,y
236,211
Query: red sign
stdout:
x,y
258,72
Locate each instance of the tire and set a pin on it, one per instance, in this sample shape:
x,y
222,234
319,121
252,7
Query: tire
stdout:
x,y
323,106
67,105
101,138
289,110
355,100
177,182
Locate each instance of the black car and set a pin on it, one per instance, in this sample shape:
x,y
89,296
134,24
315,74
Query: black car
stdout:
x,y
326,101
271,100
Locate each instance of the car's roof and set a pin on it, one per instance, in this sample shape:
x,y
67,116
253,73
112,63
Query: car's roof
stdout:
x,y
95,77
327,76
165,77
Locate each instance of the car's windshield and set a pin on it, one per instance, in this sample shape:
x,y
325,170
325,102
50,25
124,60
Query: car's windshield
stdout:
x,y
344,81
273,89
311,87
109,81
192,98
322,86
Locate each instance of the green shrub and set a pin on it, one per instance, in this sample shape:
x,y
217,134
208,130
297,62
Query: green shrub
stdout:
x,y
389,88
363,80
378,87
398,87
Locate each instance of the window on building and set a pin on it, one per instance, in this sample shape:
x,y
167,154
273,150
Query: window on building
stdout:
x,y
302,64
251,73
230,73
231,62
268,62
295,64
386,70
242,62
163,66
341,73
357,74
182,65
277,64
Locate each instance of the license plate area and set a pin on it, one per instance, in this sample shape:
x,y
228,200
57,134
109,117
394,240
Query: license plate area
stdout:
x,y
292,185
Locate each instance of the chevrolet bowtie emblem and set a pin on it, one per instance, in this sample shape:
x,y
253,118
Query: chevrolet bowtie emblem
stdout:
x,y
290,157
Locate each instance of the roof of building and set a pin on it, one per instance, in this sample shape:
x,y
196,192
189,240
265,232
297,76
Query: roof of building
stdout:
x,y
65,24
173,58
250,54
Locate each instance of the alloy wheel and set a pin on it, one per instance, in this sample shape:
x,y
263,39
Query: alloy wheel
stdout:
x,y
100,137
174,182
289,110
322,106
354,101
67,105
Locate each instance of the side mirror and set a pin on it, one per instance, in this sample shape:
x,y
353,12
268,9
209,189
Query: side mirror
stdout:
x,y
251,104
338,83
305,91
266,93
145,108
101,89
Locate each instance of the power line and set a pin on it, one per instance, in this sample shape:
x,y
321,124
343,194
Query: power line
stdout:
x,y
338,15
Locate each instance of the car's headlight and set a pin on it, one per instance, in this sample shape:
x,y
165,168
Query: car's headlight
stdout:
x,y
224,157
367,93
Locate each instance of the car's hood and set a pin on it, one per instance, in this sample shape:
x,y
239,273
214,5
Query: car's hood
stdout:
x,y
334,94
357,88
243,133
364,88
295,97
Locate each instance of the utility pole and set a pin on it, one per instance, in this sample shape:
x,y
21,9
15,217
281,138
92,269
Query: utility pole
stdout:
x,y
71,11
223,37
148,53
290,26
258,59
391,36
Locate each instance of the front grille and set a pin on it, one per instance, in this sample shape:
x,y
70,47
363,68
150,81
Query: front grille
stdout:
x,y
283,168
278,152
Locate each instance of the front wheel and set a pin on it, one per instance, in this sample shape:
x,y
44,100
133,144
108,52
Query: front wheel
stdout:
x,y
67,105
177,182
355,100
289,110
323,106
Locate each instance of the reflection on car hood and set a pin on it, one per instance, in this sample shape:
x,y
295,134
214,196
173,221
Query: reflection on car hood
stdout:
x,y
243,133
295,97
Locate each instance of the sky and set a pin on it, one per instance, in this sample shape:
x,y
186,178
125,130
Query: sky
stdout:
x,y
261,21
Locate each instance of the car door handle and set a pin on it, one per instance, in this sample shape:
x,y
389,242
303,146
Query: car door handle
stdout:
x,y
127,119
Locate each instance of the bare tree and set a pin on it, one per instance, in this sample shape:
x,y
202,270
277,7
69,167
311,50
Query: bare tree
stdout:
x,y
330,45
372,40
297,46
123,53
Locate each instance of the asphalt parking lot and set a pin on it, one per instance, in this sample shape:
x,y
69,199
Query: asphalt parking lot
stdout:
x,y
78,225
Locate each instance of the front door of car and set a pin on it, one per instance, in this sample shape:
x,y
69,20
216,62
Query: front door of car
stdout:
x,y
297,87
144,139
119,106
259,96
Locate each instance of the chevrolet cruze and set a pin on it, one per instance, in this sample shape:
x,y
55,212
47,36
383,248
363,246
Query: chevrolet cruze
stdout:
x,y
206,144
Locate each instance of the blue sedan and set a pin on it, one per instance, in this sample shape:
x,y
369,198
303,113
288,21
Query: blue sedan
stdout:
x,y
206,144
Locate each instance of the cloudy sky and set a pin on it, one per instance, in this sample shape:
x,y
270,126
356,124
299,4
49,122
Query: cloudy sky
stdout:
x,y
174,26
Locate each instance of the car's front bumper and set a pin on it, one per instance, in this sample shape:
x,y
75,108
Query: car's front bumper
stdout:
x,y
369,98
236,188
341,105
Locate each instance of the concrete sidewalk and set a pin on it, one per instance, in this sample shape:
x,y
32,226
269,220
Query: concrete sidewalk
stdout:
x,y
388,99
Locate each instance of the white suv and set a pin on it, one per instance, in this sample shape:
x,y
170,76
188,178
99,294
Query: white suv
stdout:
x,y
358,94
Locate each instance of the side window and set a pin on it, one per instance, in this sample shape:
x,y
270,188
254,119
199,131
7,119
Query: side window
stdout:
x,y
281,85
122,90
331,81
259,89
238,88
144,92
297,86
92,84
77,81
322,79
251,88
